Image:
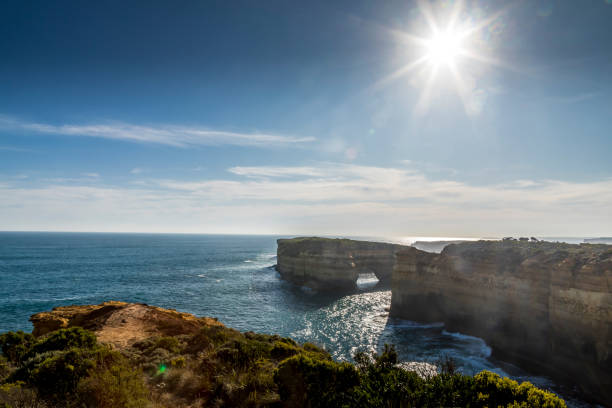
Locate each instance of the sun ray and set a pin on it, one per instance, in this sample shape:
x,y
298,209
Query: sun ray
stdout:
x,y
423,103
454,17
427,12
400,72
461,87
491,61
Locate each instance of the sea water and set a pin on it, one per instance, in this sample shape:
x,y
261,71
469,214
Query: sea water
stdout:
x,y
231,278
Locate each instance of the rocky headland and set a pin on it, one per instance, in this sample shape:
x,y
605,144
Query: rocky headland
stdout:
x,y
544,306
328,264
120,324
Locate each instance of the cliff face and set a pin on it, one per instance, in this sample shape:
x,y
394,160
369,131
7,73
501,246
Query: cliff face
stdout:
x,y
324,263
545,306
120,324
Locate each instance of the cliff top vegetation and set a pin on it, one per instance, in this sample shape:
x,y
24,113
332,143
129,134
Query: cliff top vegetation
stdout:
x,y
218,366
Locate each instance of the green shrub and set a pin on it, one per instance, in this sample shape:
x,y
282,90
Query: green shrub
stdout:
x,y
495,390
16,395
4,368
115,386
303,381
242,353
167,343
281,350
312,347
16,345
56,374
63,339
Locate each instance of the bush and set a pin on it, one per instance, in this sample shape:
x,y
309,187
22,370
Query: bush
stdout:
x,y
242,353
281,350
57,374
15,395
115,386
495,390
64,339
16,345
303,381
167,343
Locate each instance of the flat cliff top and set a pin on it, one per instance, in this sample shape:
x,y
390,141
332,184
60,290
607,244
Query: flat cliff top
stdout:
x,y
543,252
530,247
120,324
315,244
579,266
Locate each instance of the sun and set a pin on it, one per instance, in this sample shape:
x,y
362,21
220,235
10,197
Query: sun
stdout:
x,y
443,48
455,48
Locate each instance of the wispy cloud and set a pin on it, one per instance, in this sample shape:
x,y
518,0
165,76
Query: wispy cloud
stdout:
x,y
273,171
171,135
136,170
328,198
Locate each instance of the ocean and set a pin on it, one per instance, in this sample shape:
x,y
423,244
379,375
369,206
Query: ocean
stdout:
x,y
229,277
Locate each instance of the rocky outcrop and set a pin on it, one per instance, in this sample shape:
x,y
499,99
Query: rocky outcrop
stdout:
x,y
120,324
324,263
544,306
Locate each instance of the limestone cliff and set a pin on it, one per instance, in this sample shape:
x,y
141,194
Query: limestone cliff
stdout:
x,y
120,324
545,306
324,263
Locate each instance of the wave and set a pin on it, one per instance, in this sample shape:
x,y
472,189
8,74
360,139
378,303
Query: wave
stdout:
x,y
409,324
480,344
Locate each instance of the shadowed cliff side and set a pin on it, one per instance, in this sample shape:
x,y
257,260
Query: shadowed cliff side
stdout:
x,y
324,263
545,306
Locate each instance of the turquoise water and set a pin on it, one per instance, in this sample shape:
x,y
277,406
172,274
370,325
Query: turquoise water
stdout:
x,y
228,277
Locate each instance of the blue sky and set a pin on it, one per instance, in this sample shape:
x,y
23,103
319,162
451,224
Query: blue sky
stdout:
x,y
302,118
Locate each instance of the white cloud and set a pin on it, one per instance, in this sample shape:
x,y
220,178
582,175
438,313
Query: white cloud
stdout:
x,y
272,171
92,175
136,170
325,199
172,135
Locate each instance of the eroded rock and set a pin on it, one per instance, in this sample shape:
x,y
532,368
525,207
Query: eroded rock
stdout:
x,y
544,306
326,264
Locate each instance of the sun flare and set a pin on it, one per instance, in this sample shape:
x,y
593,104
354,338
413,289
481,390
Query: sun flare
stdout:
x,y
443,48
454,48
